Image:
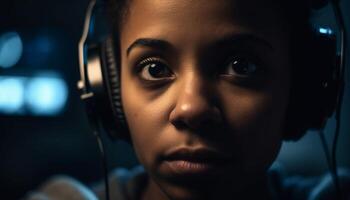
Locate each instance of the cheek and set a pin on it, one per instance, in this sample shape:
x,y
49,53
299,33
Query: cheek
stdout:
x,y
256,122
251,114
146,119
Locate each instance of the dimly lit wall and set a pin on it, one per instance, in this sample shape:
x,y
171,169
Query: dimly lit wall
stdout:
x,y
32,146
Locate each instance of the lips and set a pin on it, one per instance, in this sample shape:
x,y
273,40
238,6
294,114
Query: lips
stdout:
x,y
195,161
198,155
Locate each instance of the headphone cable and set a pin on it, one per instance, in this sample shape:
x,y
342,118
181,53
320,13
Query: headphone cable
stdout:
x,y
326,150
332,171
104,163
342,31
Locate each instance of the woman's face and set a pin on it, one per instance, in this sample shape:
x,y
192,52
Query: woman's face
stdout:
x,y
205,86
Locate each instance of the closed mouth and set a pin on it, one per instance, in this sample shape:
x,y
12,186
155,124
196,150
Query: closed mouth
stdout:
x,y
199,155
199,161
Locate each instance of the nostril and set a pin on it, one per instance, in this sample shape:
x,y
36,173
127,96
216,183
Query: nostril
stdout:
x,y
206,128
179,124
202,122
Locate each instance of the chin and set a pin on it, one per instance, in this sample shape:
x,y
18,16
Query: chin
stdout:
x,y
185,191
183,194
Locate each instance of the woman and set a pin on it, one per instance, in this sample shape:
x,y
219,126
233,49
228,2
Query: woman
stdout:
x,y
211,77
207,91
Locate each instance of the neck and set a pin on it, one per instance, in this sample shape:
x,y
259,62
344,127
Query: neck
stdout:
x,y
153,192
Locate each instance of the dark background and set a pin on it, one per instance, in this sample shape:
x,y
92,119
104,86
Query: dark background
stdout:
x,y
34,148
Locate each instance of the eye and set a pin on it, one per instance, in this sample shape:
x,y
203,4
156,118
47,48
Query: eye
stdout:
x,y
154,69
242,66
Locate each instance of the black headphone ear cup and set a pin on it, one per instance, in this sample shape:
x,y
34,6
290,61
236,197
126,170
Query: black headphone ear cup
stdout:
x,y
314,85
111,77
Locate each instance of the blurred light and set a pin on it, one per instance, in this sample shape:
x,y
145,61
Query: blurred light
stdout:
x,y
11,95
11,49
46,95
325,31
42,95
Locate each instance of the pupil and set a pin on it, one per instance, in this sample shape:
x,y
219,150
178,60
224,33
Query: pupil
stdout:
x,y
155,70
243,67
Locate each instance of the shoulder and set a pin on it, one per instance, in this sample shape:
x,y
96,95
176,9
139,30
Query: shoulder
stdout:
x,y
307,188
62,187
123,184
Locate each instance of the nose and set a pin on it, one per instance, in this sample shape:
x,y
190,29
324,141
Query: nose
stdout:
x,y
196,106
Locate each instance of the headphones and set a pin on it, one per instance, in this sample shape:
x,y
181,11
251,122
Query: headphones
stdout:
x,y
313,98
99,83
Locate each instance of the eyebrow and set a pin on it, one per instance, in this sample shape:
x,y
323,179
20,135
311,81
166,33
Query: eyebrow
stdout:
x,y
149,42
226,40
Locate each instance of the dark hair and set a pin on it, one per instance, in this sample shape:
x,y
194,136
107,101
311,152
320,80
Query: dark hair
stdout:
x,y
297,14
117,10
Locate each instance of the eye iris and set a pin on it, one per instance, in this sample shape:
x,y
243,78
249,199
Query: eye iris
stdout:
x,y
157,70
243,67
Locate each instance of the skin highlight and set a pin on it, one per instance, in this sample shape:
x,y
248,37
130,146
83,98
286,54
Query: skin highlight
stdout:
x,y
199,101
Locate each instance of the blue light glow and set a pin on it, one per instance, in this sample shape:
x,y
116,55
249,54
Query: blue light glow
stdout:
x,y
11,95
43,95
46,95
11,49
327,31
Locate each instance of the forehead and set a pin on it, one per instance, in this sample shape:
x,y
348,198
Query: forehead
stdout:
x,y
244,11
188,21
